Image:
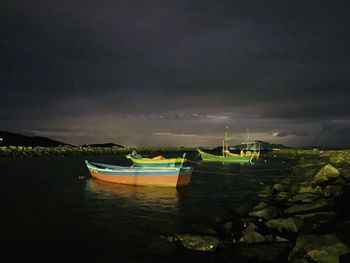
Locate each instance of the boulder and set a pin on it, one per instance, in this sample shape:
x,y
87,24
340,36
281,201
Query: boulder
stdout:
x,y
318,248
333,190
265,252
286,181
285,224
260,205
341,180
282,196
319,204
304,198
307,188
250,236
207,231
280,187
265,192
280,239
227,227
317,216
326,173
266,213
198,242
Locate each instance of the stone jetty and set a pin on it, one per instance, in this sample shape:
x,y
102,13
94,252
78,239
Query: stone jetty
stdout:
x,y
27,151
303,217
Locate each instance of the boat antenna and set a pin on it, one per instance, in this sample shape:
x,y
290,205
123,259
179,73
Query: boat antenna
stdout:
x,y
226,133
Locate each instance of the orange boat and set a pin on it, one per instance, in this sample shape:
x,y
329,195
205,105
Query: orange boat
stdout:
x,y
153,176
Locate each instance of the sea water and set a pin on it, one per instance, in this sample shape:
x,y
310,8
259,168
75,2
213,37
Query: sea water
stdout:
x,y
52,209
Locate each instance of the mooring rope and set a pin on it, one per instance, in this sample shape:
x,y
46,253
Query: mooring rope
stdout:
x,y
207,172
226,168
205,165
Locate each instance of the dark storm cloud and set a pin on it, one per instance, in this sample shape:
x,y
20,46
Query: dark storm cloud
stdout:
x,y
268,65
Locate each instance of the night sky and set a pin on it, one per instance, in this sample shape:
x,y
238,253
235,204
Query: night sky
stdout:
x,y
163,73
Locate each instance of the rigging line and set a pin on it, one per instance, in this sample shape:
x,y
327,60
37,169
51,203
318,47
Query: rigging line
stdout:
x,y
205,165
206,172
253,170
265,170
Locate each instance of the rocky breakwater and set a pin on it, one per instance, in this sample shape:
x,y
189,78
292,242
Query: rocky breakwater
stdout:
x,y
67,150
302,218
23,151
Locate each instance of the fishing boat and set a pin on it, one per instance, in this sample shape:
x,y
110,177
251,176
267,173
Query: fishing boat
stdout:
x,y
226,157
251,152
150,176
157,161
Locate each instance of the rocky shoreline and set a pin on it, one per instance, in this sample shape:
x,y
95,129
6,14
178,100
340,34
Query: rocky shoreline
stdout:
x,y
302,218
27,151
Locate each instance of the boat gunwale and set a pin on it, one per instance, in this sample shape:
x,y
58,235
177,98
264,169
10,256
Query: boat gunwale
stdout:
x,y
136,168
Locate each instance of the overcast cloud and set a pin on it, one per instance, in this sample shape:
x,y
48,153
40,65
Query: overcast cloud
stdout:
x,y
176,72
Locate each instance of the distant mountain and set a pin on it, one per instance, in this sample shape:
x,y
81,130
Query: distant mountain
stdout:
x,y
14,139
322,148
268,146
263,146
105,145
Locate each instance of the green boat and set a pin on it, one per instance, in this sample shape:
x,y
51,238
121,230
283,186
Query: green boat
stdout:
x,y
251,152
230,157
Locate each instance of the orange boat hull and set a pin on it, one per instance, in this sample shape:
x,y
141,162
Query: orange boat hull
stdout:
x,y
151,180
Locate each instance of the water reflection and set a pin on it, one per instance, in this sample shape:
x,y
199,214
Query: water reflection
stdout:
x,y
160,196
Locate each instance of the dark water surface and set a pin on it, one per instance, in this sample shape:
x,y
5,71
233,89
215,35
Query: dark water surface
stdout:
x,y
50,213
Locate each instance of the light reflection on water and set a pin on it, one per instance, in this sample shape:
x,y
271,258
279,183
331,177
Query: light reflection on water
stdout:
x,y
161,197
50,213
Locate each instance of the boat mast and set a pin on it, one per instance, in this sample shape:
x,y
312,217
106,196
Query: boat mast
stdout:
x,y
247,141
225,144
223,148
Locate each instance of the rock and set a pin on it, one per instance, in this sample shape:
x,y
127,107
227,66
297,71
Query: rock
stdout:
x,y
250,236
265,252
333,190
280,239
227,227
285,224
309,188
326,173
198,242
305,188
304,198
219,219
260,205
341,180
243,209
207,231
251,227
280,187
318,248
282,196
286,181
318,216
266,213
318,204
294,189
266,192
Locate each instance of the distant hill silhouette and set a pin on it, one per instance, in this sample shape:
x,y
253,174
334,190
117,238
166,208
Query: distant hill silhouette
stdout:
x,y
105,145
264,146
314,147
14,139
